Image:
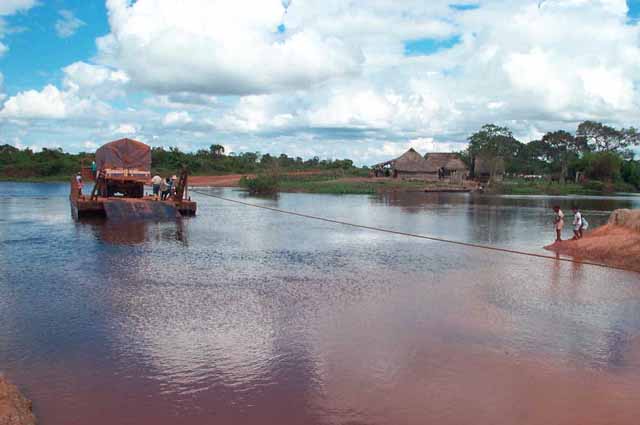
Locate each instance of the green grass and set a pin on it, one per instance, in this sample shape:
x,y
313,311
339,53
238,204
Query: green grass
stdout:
x,y
333,185
522,187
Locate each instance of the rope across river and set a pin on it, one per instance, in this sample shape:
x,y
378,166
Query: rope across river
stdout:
x,y
412,235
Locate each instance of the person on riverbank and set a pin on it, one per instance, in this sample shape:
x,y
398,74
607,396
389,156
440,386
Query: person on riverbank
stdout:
x,y
558,222
577,223
174,183
164,188
94,169
580,224
155,183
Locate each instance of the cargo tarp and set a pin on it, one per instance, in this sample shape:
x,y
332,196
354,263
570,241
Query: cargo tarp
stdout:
x,y
124,153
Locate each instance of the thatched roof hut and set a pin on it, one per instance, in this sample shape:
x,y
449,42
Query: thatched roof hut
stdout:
x,y
450,162
412,162
409,165
485,169
485,165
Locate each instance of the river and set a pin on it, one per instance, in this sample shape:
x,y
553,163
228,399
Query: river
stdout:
x,y
248,316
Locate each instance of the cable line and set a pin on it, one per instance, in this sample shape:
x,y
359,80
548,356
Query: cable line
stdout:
x,y
413,235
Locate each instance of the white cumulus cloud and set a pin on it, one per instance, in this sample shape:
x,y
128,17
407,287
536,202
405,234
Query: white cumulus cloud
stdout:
x,y
219,47
9,7
125,129
176,118
96,80
335,80
50,103
68,24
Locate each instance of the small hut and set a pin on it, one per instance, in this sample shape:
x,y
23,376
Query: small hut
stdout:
x,y
449,166
410,165
484,168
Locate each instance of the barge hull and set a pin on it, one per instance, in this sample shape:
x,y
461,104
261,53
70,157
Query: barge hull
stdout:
x,y
84,207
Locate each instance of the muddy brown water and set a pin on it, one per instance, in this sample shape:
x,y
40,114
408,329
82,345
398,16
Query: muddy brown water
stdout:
x,y
245,316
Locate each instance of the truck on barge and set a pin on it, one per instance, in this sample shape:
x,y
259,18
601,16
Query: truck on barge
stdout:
x,y
123,168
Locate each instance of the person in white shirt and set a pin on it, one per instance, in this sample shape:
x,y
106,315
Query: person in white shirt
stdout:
x,y
558,222
579,224
156,181
79,183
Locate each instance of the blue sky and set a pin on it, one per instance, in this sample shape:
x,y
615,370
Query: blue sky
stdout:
x,y
355,79
37,54
634,9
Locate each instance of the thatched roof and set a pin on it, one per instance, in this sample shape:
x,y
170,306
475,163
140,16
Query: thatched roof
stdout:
x,y
410,162
448,161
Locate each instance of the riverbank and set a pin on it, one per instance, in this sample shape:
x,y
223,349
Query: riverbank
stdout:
x,y
15,409
617,243
543,187
313,183
337,183
334,183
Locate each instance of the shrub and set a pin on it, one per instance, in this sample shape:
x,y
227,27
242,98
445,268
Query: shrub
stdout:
x,y
603,165
595,186
262,184
631,173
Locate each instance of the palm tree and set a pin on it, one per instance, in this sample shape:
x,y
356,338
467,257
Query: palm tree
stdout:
x,y
217,150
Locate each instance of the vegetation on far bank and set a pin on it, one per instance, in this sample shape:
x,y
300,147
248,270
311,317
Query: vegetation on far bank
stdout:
x,y
339,182
596,159
55,164
541,187
595,153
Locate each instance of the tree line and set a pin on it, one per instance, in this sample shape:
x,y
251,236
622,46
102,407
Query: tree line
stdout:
x,y
25,163
595,151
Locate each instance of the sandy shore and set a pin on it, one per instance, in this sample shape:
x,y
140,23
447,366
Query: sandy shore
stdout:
x,y
233,180
616,243
15,409
229,180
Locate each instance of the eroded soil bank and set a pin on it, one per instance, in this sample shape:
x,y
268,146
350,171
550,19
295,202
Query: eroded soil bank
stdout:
x,y
228,180
617,243
15,409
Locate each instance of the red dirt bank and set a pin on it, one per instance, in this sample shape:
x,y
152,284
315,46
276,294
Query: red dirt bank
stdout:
x,y
15,409
616,243
228,180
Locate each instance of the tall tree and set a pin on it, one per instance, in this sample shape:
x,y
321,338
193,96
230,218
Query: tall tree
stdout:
x,y
533,158
603,138
216,150
495,145
560,147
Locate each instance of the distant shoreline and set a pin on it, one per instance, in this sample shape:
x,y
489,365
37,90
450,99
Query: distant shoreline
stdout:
x,y
317,182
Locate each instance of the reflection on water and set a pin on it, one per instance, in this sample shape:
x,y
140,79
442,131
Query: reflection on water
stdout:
x,y
242,315
135,232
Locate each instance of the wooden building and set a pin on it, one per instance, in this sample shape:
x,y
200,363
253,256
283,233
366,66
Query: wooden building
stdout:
x,y
432,167
410,165
449,166
486,168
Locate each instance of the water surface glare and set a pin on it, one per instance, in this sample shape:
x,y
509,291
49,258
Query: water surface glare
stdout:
x,y
246,316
